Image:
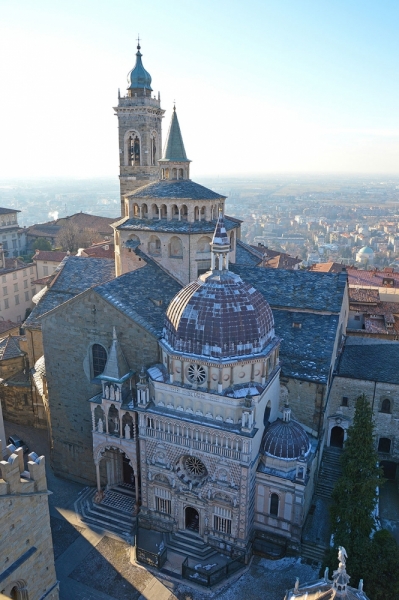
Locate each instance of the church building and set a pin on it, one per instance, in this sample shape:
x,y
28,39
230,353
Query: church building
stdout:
x,y
193,378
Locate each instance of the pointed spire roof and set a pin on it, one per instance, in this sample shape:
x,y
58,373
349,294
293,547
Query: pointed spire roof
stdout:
x,y
174,148
138,77
116,368
220,237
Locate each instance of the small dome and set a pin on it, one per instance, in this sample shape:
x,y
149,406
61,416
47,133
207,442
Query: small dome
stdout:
x,y
285,439
219,316
366,250
138,77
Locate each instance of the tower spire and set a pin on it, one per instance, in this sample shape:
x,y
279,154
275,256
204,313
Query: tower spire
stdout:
x,y
174,163
139,79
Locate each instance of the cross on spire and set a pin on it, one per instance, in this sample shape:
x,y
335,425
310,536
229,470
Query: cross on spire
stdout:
x,y
138,42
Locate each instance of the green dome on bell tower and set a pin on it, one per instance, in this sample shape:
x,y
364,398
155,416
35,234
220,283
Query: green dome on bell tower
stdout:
x,y
139,78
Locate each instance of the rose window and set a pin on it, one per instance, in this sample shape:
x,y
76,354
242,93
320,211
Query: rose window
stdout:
x,y
196,373
195,466
191,470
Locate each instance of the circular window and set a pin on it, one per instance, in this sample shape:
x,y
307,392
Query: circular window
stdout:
x,y
196,373
195,466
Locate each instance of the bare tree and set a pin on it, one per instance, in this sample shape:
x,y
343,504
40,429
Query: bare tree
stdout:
x,y
71,237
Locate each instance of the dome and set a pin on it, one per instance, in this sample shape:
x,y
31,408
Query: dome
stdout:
x,y
138,77
285,439
366,250
219,316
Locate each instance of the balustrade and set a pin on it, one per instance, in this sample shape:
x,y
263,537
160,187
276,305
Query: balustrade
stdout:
x,y
199,440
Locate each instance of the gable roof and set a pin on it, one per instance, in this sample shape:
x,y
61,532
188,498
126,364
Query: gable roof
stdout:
x,y
296,289
9,347
76,275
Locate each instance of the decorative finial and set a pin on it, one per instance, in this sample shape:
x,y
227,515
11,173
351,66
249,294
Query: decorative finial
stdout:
x,y
174,105
138,42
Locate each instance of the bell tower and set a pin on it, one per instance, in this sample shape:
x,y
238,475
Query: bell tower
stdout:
x,y
140,131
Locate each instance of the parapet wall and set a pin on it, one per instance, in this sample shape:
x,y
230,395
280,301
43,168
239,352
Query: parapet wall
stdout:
x,y
15,479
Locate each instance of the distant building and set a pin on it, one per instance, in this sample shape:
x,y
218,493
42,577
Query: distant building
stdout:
x,y
12,236
365,256
105,249
47,261
16,288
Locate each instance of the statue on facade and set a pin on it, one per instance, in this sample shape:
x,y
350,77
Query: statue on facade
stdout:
x,y
342,556
127,431
116,425
100,426
117,394
106,391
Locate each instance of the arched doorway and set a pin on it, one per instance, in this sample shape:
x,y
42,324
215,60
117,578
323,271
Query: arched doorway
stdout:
x,y
128,473
389,469
337,437
192,519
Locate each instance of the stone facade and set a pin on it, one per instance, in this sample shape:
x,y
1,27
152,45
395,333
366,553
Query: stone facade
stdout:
x,y
72,332
384,399
28,562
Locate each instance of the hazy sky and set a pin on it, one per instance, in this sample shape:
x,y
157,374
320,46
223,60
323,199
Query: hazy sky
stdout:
x,y
261,86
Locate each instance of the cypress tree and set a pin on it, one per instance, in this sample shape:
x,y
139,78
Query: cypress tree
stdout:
x,y
355,493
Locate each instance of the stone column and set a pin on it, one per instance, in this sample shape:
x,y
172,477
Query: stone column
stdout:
x,y
98,476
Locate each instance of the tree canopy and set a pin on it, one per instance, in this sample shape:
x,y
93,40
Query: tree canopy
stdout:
x,y
355,493
41,244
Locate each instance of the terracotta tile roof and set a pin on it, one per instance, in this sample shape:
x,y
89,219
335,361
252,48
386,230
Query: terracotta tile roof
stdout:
x,y
361,277
328,267
274,259
364,295
100,250
83,220
50,255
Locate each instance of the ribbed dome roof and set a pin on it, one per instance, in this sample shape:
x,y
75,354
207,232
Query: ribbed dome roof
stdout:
x,y
138,77
285,439
219,316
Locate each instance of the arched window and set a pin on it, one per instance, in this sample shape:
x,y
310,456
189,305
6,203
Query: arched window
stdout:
x,y
154,246
267,413
274,502
175,212
184,213
386,406
174,173
175,247
99,359
384,445
134,150
181,174
136,211
153,148
144,211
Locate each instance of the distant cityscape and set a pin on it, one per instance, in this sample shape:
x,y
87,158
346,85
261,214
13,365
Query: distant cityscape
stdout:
x,y
314,218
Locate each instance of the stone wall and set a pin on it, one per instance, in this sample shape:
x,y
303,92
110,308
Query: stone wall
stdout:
x,y
27,562
68,335
345,391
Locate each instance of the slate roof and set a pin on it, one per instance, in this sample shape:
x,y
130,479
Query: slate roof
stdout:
x,y
180,189
163,225
371,362
137,295
76,275
9,347
7,211
20,379
296,289
305,351
245,255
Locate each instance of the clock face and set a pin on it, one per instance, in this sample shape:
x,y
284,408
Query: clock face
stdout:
x,y
196,373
